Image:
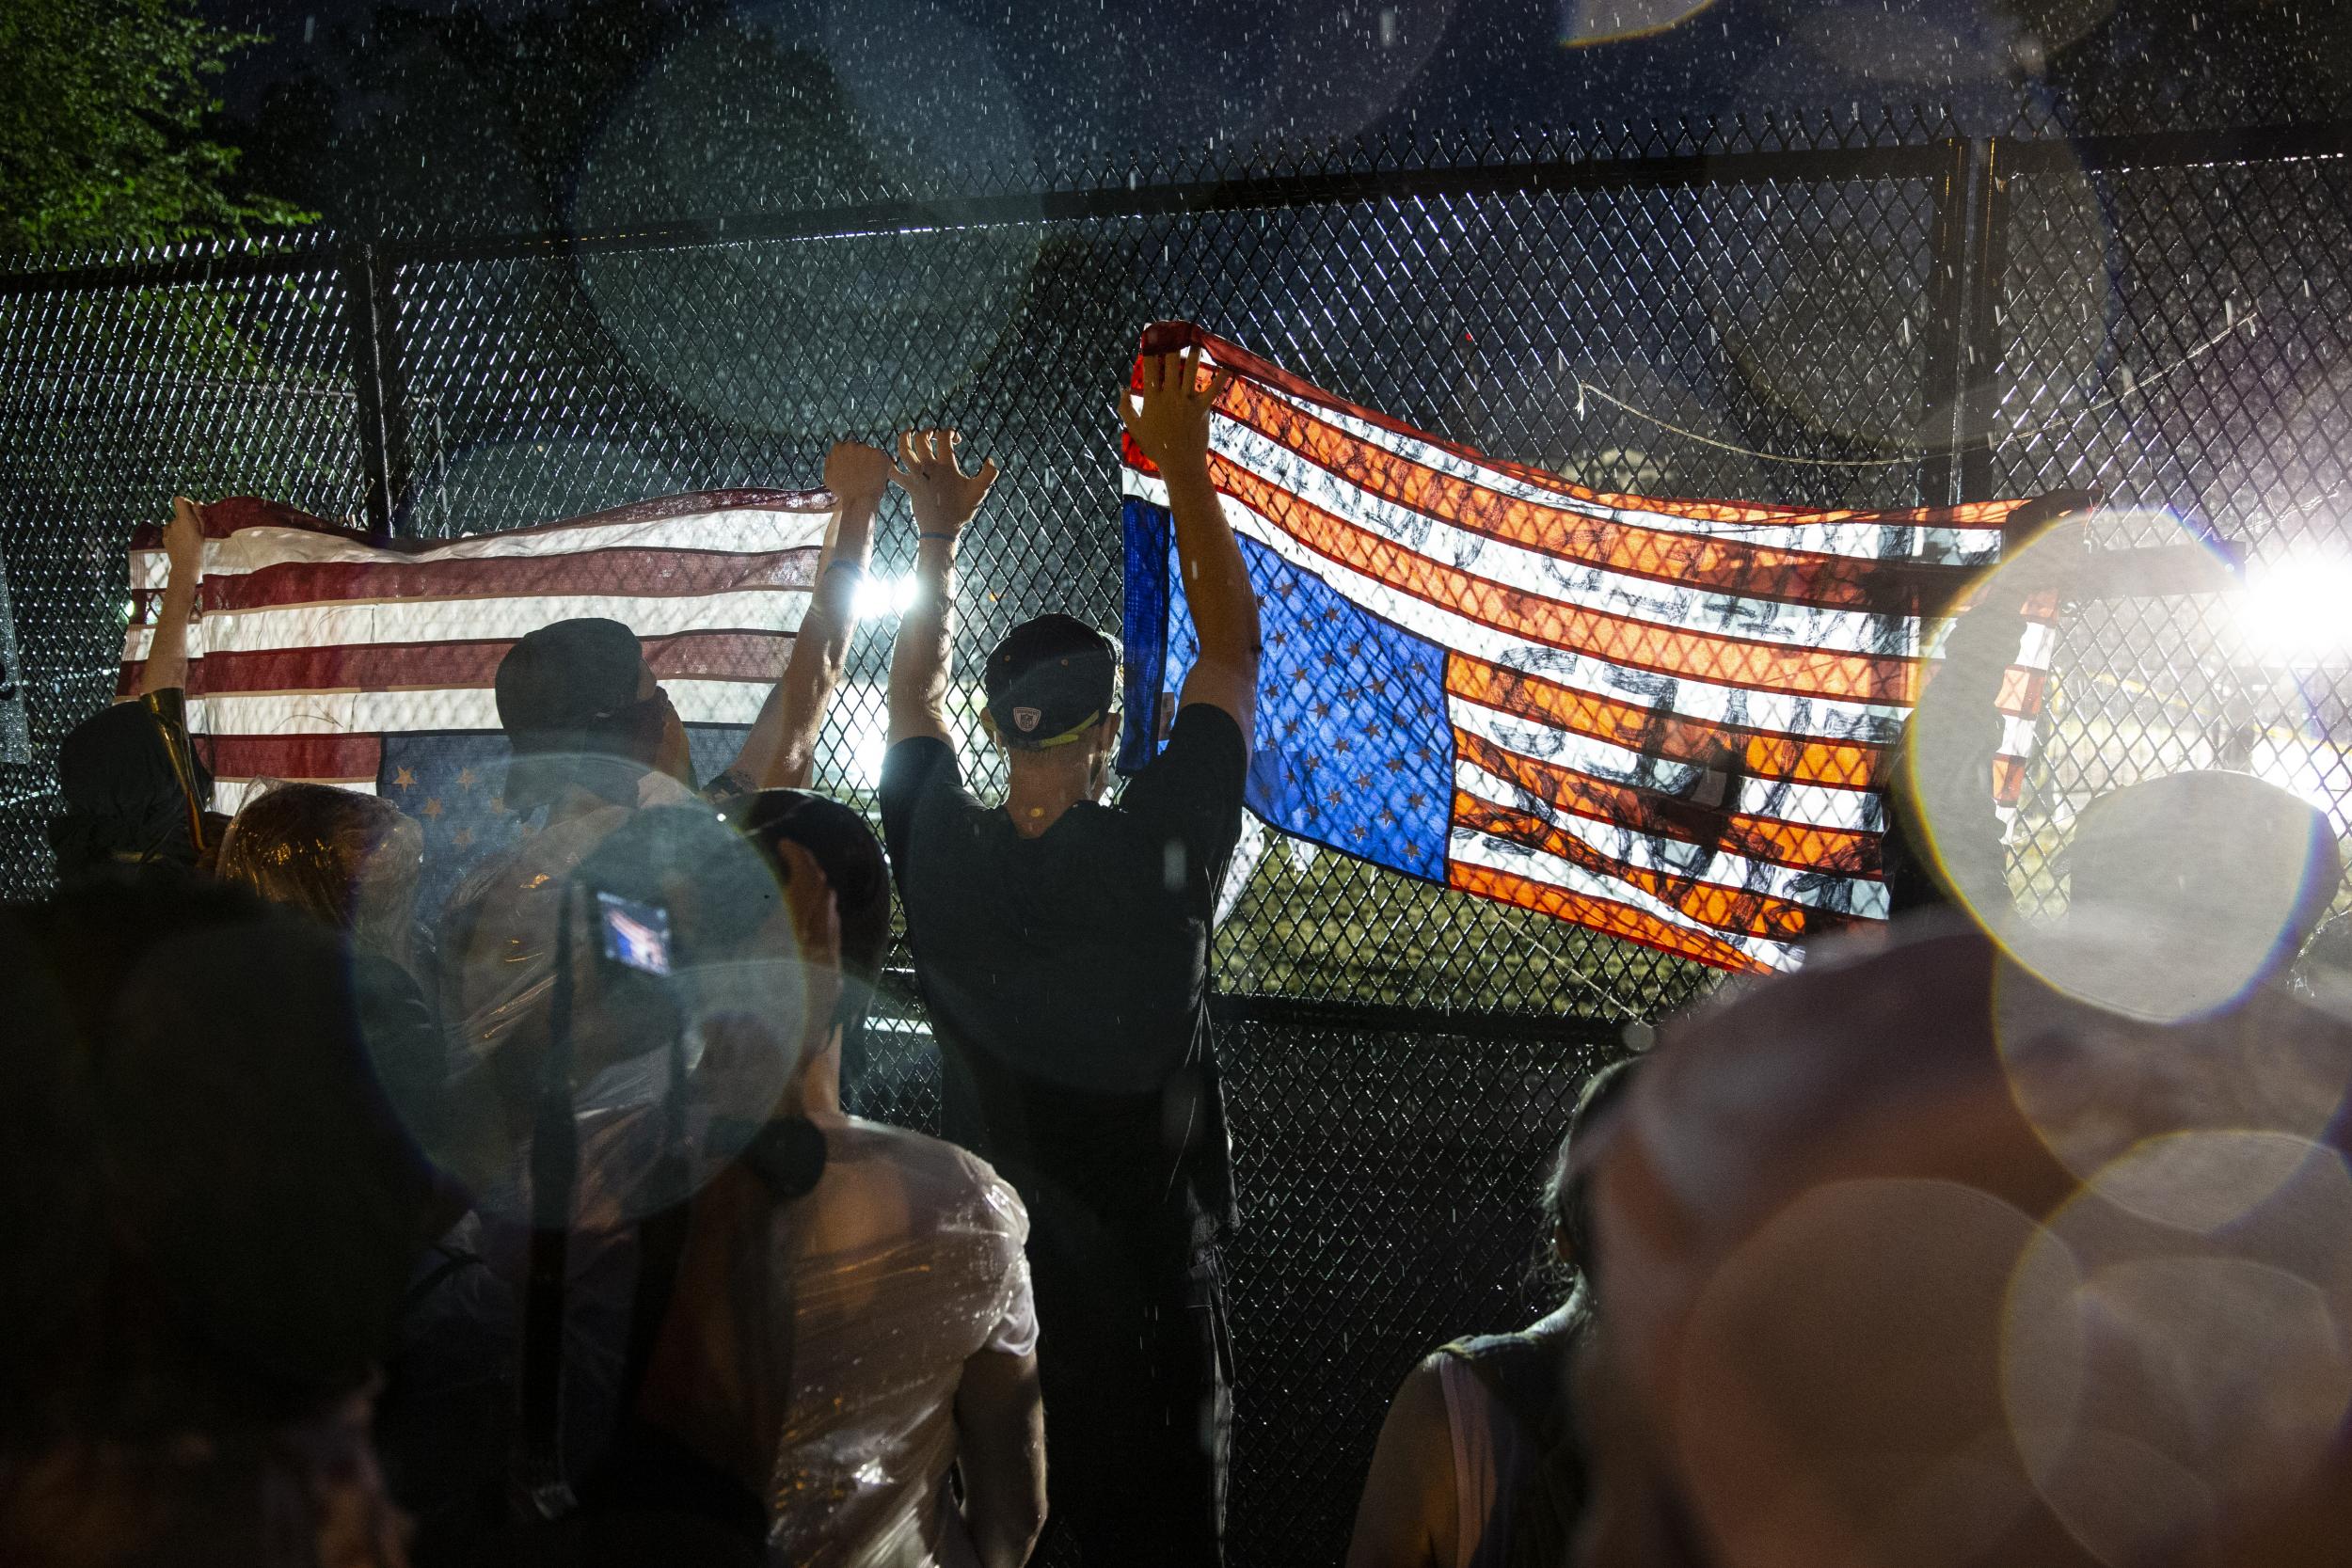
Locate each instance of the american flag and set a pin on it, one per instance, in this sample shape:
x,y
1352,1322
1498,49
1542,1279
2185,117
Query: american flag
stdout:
x,y
1670,720
319,654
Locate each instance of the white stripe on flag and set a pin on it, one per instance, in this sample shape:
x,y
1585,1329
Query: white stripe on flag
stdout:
x,y
745,530
1814,805
1867,541
1683,608
500,620
698,702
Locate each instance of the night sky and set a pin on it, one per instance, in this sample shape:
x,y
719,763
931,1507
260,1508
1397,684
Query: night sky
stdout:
x,y
1008,77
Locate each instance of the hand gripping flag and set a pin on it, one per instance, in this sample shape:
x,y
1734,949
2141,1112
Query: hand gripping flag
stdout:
x,y
1670,720
321,654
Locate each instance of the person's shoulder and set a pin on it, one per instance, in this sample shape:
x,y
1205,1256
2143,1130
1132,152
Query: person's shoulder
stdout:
x,y
953,1175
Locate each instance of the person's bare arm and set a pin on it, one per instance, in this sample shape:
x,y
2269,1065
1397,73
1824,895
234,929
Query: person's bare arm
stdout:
x,y
1000,1447
781,749
184,549
1170,419
945,499
1406,1516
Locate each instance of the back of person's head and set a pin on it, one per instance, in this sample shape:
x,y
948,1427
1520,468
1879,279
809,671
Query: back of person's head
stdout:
x,y
1050,684
2203,882
210,1212
1566,1204
1910,1257
848,855
570,699
127,799
346,860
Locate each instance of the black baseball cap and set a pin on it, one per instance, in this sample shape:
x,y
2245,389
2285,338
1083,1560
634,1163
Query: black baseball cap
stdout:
x,y
1048,681
561,687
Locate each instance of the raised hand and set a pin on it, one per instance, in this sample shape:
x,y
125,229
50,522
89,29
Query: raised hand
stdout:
x,y
183,538
855,471
932,476
1168,416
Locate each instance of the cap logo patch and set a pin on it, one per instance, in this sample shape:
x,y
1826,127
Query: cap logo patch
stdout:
x,y
1025,718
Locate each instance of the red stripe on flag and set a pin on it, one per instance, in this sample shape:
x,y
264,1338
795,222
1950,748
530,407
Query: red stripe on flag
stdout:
x,y
1752,570
293,757
1618,639
1803,846
1715,905
745,655
1601,914
1762,753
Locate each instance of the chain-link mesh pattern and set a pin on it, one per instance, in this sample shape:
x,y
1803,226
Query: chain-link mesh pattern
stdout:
x,y
2174,336
112,400
1751,302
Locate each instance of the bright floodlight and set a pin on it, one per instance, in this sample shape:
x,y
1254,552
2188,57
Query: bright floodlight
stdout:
x,y
879,596
2297,609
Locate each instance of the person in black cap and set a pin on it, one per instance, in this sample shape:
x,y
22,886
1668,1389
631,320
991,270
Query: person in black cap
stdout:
x,y
595,737
1061,947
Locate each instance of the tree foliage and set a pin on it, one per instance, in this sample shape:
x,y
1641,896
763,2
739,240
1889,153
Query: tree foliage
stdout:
x,y
105,127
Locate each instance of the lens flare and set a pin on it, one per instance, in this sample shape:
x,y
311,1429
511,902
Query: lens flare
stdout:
x,y
2152,874
2170,1384
2296,610
1584,23
1841,1392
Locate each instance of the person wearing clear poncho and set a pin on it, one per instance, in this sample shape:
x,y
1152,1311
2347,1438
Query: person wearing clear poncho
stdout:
x,y
831,1316
781,1322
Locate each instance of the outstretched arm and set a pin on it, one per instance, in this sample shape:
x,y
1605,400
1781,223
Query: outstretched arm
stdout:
x,y
945,499
184,549
1170,419
781,750
1000,1447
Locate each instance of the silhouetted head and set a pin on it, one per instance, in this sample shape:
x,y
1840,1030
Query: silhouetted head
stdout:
x,y
126,801
210,1211
851,859
1051,688
573,698
1566,1204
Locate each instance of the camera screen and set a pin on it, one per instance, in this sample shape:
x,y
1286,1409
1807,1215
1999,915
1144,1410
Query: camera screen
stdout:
x,y
636,936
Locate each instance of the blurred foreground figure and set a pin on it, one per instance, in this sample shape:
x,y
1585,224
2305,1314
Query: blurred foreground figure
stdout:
x,y
1479,1464
1061,946
206,1215
2025,1251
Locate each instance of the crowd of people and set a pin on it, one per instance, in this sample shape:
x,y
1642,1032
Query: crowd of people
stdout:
x,y
533,1230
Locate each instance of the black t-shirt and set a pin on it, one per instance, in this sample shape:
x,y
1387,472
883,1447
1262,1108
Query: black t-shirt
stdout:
x,y
1067,976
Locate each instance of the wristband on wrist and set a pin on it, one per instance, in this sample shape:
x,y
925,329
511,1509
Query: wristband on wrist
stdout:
x,y
949,537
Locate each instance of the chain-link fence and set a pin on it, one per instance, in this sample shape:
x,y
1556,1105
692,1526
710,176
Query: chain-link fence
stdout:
x,y
1827,317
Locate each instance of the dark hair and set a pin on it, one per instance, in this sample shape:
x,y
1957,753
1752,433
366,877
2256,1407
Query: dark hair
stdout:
x,y
850,857
1566,1205
320,851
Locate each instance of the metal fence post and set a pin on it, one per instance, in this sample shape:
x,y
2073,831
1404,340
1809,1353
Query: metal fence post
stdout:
x,y
1979,392
376,377
1943,371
